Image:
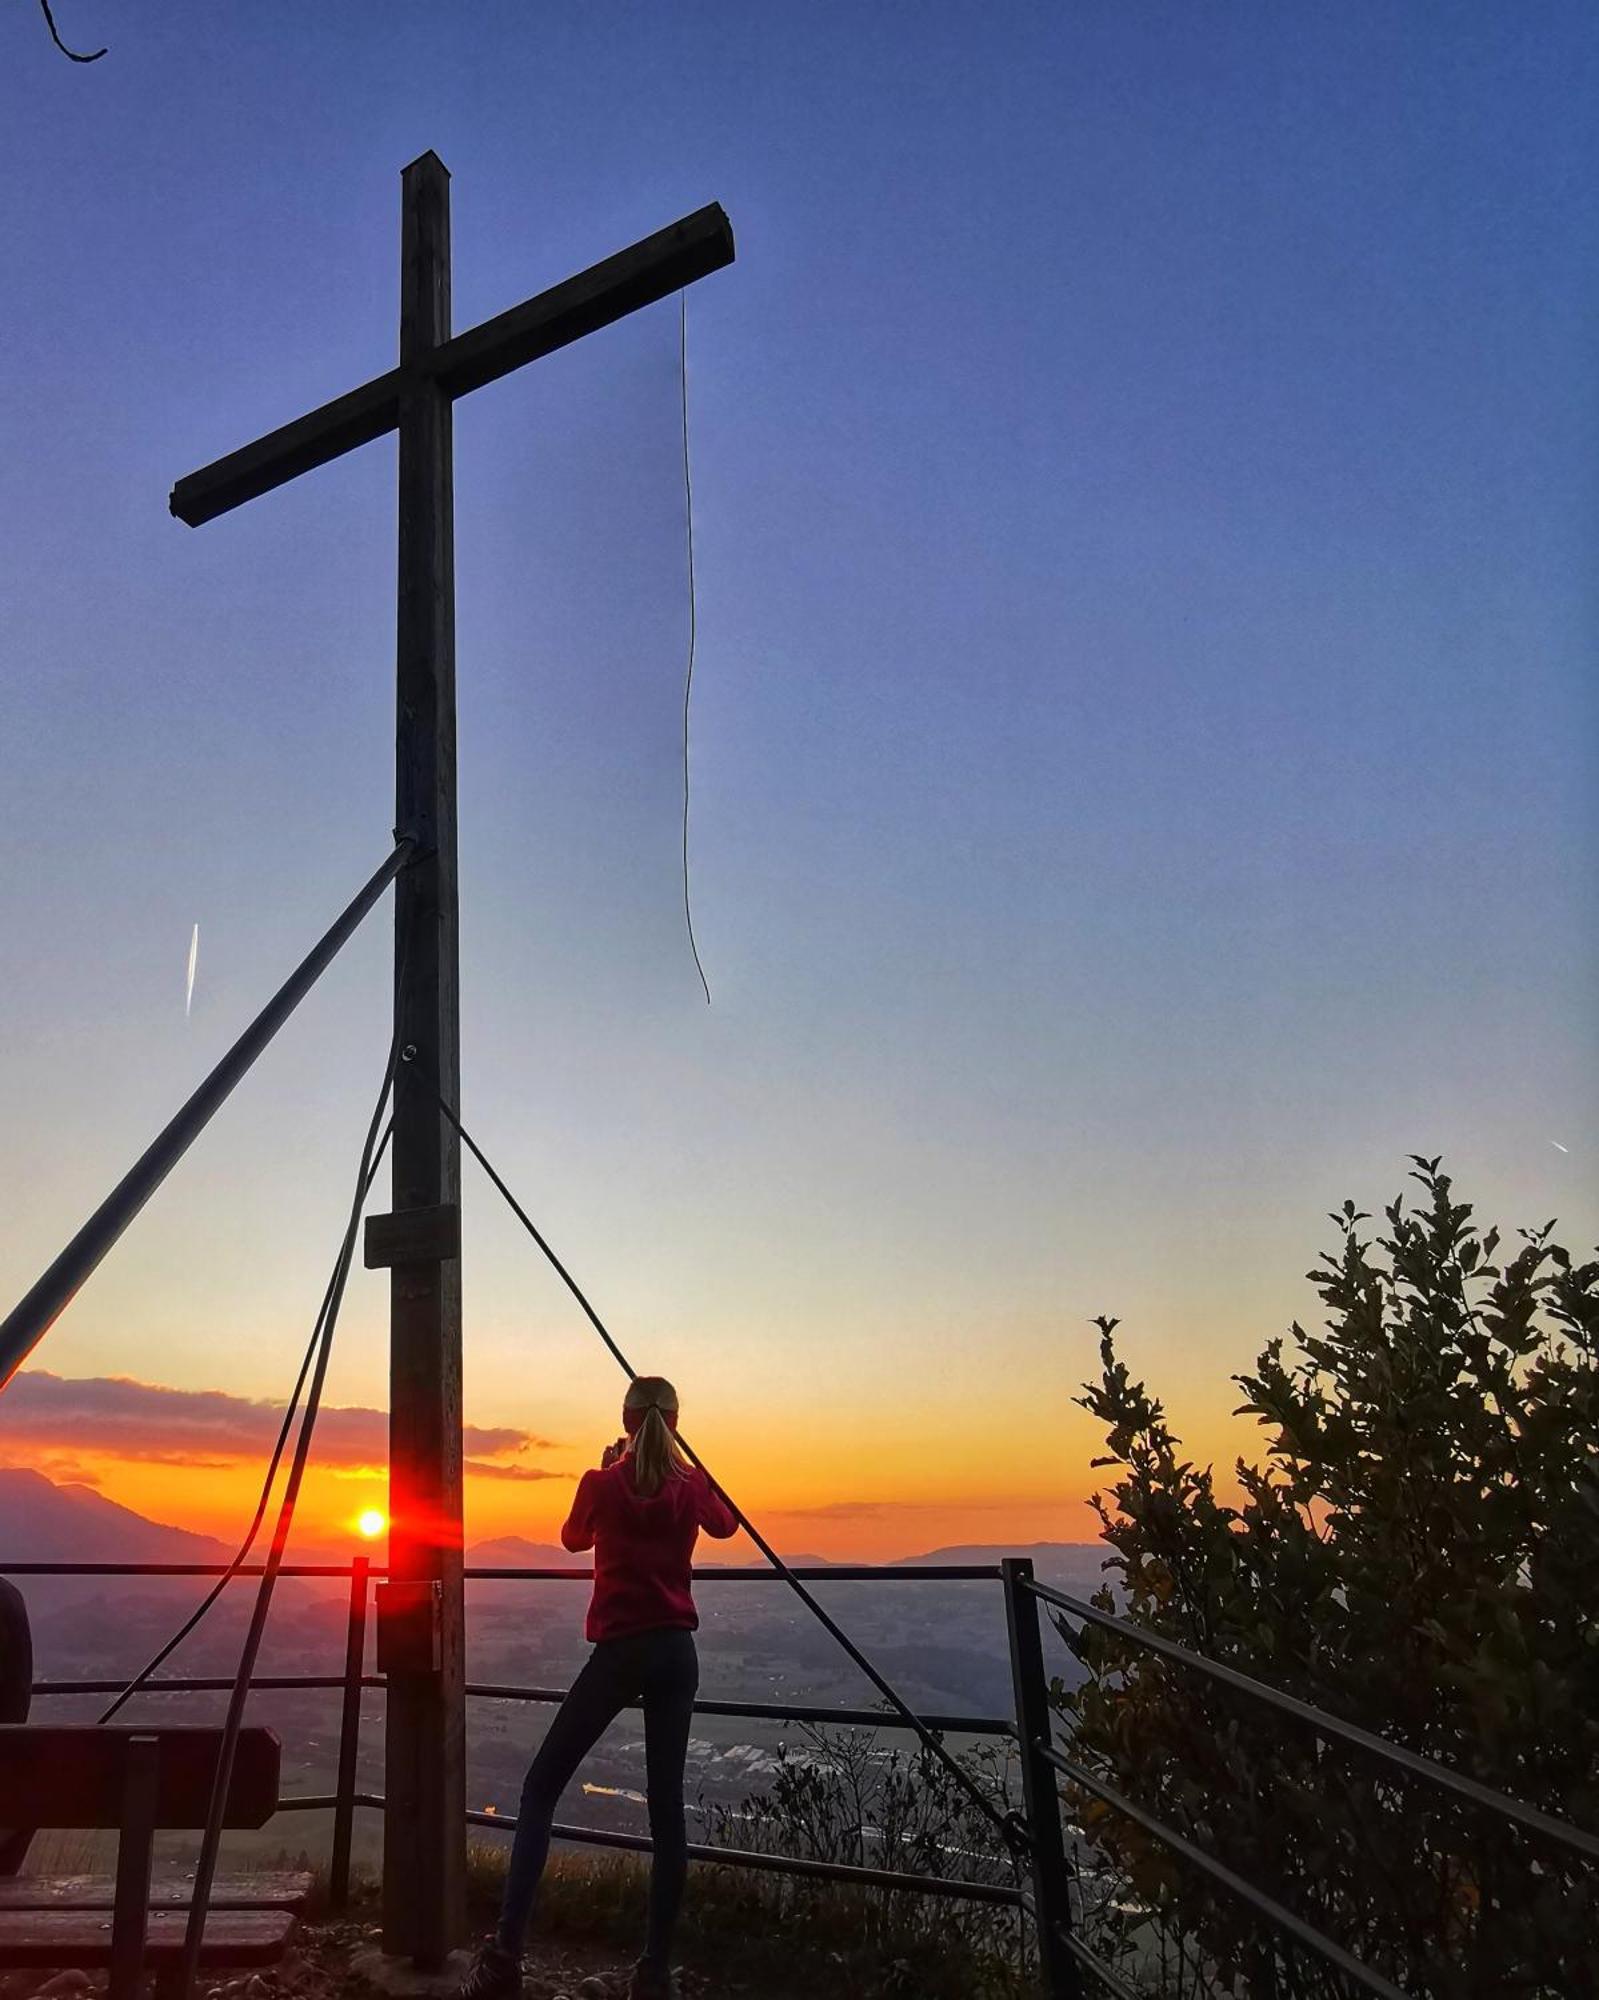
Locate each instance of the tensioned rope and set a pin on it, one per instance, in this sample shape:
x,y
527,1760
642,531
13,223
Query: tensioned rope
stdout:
x,y
693,626
267,1484
211,1840
1010,1826
331,1298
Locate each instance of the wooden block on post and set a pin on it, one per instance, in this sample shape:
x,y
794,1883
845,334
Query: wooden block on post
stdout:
x,y
413,1236
410,1626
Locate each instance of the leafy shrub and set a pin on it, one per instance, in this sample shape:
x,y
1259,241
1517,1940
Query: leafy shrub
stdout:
x,y
839,1796
1419,1554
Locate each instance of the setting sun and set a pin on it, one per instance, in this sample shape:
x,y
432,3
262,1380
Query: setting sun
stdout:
x,y
372,1522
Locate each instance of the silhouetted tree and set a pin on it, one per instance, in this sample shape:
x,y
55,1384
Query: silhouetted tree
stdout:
x,y
1419,1554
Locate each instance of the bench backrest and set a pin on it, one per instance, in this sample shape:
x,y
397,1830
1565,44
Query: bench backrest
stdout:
x,y
16,1655
76,1776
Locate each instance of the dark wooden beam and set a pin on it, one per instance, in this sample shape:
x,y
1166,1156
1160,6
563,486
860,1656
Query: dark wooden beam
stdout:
x,y
424,1839
413,1236
652,269
356,419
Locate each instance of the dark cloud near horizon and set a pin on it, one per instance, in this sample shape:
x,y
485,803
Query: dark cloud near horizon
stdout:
x,y
481,1469
207,1428
869,1510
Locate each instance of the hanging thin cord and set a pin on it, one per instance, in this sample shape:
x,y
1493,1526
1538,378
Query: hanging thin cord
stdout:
x,y
1008,1825
222,1779
693,623
71,55
284,1428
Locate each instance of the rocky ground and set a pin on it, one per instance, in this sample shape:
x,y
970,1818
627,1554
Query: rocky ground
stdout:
x,y
325,1965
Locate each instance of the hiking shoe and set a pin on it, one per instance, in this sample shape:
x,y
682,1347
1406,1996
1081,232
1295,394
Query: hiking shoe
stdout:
x,y
495,1974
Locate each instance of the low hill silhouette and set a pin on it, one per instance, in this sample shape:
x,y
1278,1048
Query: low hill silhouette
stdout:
x,y
43,1522
1074,1566
516,1552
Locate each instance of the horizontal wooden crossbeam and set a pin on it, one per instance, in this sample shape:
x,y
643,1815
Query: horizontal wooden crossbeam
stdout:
x,y
652,269
356,419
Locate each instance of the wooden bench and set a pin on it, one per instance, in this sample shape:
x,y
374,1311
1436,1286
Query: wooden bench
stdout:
x,y
138,1780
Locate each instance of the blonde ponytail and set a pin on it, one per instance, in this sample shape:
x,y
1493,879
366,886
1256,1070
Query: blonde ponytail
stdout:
x,y
656,1454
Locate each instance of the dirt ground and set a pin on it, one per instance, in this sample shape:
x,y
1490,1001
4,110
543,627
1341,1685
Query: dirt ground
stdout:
x,y
319,1968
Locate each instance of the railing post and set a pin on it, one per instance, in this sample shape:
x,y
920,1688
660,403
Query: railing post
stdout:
x,y
349,1736
1040,1794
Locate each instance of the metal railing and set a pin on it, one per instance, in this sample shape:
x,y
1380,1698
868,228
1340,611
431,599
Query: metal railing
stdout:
x,y
1044,1760
1064,1957
347,1799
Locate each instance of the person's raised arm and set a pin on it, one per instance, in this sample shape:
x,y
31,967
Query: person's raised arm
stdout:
x,y
716,1515
578,1533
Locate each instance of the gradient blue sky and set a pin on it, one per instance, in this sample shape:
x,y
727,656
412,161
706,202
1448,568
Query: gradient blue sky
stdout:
x,y
1145,750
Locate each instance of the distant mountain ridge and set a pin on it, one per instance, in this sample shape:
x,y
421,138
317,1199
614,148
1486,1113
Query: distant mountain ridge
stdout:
x,y
1043,1555
43,1522
513,1552
1077,1558
942,1643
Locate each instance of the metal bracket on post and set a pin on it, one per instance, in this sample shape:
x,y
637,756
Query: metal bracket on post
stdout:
x,y
1040,1793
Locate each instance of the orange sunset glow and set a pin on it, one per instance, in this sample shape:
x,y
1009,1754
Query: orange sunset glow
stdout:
x,y
861,1489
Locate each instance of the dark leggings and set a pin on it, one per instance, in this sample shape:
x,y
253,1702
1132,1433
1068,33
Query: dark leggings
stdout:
x,y
662,1670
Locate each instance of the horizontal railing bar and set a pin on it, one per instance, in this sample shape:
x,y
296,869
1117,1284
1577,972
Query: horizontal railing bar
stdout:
x,y
1417,1766
178,1569
859,1718
325,1802
204,1686
816,1573
1197,1857
954,1887
852,1718
37,1311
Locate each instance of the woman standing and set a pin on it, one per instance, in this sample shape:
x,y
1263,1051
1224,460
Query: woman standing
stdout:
x,y
641,1513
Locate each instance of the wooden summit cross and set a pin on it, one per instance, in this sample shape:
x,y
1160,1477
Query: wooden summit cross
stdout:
x,y
424,1840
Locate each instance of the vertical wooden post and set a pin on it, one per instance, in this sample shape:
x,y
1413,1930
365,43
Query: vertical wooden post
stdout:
x,y
424,1853
130,1915
349,1736
1040,1795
